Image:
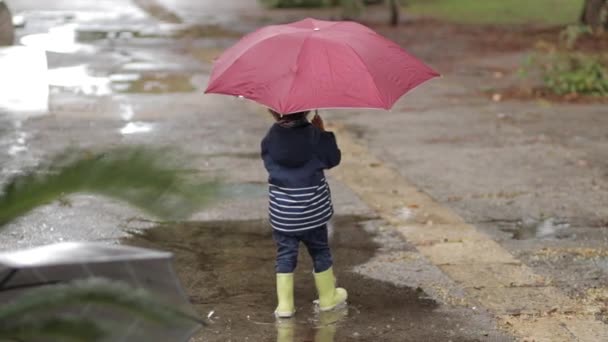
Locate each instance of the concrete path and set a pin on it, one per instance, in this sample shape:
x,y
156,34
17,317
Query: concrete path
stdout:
x,y
488,218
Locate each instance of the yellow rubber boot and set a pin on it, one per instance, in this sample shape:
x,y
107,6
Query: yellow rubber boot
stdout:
x,y
329,296
286,308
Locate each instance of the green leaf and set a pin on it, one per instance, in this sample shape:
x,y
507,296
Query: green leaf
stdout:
x,y
95,291
136,175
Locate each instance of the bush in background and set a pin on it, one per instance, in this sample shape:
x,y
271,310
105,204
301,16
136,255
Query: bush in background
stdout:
x,y
566,70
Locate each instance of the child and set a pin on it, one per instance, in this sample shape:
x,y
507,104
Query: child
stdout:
x,y
295,153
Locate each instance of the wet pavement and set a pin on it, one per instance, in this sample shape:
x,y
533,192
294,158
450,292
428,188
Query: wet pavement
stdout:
x,y
531,176
227,268
97,75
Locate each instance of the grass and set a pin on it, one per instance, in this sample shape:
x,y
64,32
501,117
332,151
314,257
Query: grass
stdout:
x,y
503,12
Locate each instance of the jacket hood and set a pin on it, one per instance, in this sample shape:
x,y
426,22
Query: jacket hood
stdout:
x,y
297,147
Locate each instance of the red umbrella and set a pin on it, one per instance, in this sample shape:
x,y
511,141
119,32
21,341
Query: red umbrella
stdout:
x,y
314,64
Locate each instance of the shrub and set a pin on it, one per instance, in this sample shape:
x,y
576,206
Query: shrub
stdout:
x,y
575,73
566,70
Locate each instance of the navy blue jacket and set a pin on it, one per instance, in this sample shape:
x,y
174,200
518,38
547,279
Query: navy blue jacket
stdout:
x,y
299,196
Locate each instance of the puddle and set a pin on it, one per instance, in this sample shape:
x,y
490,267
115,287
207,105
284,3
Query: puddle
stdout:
x,y
26,82
228,270
126,111
136,127
23,82
19,144
538,229
14,150
157,83
93,33
60,39
18,21
80,79
142,66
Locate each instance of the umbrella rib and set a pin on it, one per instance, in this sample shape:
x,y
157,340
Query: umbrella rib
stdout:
x,y
378,94
293,82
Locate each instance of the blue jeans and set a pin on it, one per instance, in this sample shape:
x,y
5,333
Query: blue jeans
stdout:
x,y
315,240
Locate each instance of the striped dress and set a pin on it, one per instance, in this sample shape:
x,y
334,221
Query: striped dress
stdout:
x,y
299,195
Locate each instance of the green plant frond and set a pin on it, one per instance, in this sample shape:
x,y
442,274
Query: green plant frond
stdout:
x,y
64,328
98,292
136,175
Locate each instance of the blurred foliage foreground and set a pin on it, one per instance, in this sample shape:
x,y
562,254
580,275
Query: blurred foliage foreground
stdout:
x,y
142,177
51,313
139,176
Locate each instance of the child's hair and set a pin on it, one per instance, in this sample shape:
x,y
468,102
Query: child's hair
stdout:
x,y
289,117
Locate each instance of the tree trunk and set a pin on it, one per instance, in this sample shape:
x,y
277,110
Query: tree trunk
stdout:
x,y
7,32
592,13
395,15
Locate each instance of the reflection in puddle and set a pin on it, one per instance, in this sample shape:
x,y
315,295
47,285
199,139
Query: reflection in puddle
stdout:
x,y
121,82
60,39
136,127
126,112
78,80
150,66
325,327
155,83
16,149
91,33
19,145
18,21
132,127
124,77
23,84
538,228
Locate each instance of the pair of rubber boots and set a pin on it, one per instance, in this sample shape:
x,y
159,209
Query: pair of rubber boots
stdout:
x,y
330,296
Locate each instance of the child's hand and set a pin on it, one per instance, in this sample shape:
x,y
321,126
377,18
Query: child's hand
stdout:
x,y
318,122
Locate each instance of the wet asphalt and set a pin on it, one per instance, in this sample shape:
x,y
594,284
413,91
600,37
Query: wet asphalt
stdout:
x,y
121,72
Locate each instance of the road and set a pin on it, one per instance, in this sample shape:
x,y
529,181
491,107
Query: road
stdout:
x,y
474,219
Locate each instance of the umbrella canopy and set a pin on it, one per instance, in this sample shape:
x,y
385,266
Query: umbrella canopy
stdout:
x,y
314,64
24,270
